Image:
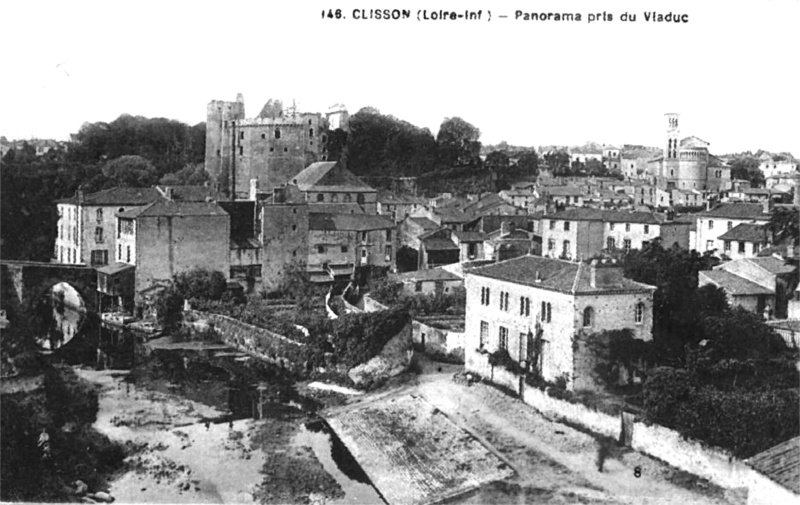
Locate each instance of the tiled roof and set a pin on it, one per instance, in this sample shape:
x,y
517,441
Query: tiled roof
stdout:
x,y
434,274
470,236
424,223
746,232
781,464
608,216
773,265
329,176
117,196
558,275
564,191
176,209
737,211
449,215
347,222
733,284
439,244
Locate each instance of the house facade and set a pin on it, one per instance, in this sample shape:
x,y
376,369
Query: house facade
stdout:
x,y
534,308
713,223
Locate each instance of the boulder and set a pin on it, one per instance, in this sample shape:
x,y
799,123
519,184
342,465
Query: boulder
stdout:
x,y
394,359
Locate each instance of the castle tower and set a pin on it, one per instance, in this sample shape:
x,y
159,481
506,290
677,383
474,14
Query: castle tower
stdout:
x,y
221,120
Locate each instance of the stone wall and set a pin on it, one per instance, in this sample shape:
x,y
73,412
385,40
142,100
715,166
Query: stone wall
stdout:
x,y
259,342
393,359
438,342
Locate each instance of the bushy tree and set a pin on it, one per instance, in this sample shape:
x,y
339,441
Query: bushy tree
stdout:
x,y
201,283
130,171
458,143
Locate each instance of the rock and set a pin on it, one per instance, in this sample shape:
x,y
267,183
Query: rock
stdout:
x,y
80,487
86,499
102,497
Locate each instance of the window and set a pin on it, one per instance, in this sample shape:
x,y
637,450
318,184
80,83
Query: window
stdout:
x,y
504,300
320,197
611,226
710,224
294,227
647,229
128,254
388,235
311,132
388,253
347,198
100,257
263,136
321,249
277,133
418,286
334,197
363,236
565,248
484,336
99,216
219,154
484,296
286,149
241,150
611,244
503,340
344,248
730,225
756,247
551,244
709,245
741,247
727,245
627,245
241,135
524,306
546,314
588,317
627,227
552,225
638,316
119,252
566,225
98,234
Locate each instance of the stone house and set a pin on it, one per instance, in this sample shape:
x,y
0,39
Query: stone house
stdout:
x,y
86,228
168,237
584,233
743,241
329,187
537,309
711,224
764,285
431,281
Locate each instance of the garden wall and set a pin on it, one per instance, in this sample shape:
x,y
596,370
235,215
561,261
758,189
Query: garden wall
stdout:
x,y
438,342
574,413
259,342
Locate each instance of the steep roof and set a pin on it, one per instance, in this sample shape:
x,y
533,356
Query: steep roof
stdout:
x,y
347,222
737,211
424,223
608,216
558,275
329,176
746,232
734,284
781,464
470,236
564,191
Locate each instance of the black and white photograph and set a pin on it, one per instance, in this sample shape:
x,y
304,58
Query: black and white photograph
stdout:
x,y
343,252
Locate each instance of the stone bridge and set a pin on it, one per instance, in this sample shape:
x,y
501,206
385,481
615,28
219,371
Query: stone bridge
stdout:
x,y
24,283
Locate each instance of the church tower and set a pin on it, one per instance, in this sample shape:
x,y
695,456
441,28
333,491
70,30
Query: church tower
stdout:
x,y
671,150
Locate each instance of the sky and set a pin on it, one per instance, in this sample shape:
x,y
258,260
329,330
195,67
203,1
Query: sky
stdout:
x,y
730,71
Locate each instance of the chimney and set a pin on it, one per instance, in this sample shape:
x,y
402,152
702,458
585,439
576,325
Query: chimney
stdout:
x,y
168,193
79,195
604,273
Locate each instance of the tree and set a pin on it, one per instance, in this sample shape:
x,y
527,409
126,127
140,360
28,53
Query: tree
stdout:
x,y
745,167
190,175
497,161
784,226
528,163
558,162
201,283
458,143
595,168
130,171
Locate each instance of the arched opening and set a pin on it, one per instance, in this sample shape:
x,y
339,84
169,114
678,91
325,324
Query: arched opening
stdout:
x,y
588,317
62,311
